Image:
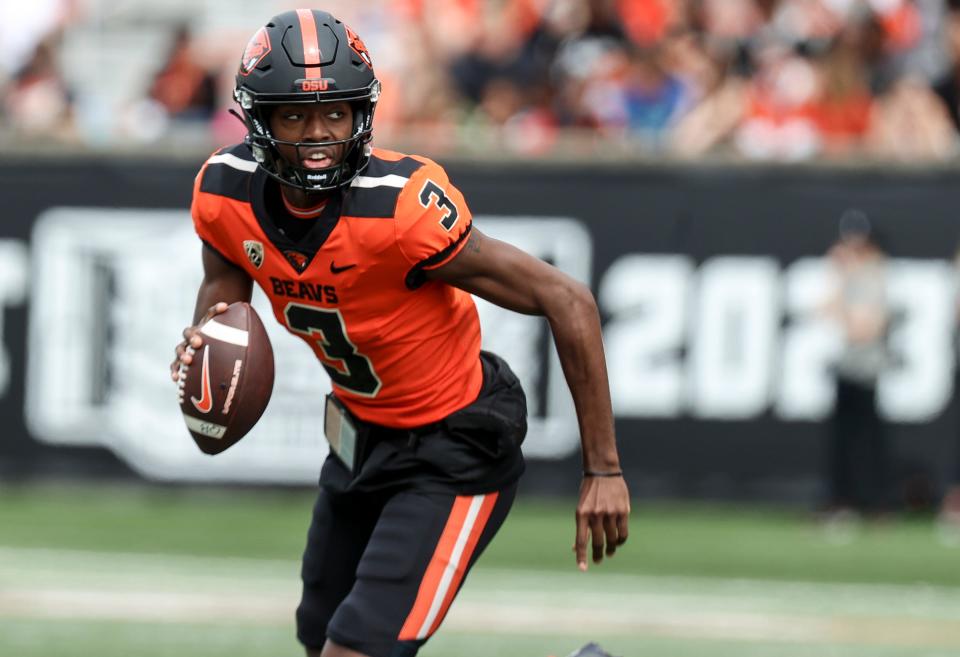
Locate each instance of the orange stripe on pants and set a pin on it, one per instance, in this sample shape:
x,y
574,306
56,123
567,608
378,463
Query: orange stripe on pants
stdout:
x,y
448,565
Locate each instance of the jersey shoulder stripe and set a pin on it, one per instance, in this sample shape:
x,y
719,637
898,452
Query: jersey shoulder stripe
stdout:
x,y
374,194
417,276
383,162
228,172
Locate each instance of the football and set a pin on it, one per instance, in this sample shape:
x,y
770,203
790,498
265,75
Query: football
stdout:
x,y
226,388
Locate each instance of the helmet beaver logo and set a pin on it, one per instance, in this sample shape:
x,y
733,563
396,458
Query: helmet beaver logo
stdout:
x,y
357,45
257,49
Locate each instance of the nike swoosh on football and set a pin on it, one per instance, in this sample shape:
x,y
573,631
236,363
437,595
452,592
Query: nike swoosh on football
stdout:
x,y
336,270
205,403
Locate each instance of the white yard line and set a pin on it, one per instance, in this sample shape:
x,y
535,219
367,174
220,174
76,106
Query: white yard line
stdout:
x,y
146,606
466,615
81,585
469,615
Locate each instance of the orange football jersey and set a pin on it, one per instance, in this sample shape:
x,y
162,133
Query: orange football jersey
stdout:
x,y
401,351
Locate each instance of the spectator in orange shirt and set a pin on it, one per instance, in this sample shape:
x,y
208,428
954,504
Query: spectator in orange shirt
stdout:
x,y
779,122
844,106
183,87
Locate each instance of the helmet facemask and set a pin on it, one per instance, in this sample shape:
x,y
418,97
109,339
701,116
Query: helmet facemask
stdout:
x,y
256,110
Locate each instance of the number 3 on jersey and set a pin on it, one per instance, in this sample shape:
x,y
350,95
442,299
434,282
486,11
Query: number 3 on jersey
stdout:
x,y
433,194
347,368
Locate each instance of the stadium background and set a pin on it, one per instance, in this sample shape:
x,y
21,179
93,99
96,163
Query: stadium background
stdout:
x,y
690,160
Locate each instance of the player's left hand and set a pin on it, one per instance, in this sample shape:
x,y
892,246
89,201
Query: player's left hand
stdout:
x,y
602,516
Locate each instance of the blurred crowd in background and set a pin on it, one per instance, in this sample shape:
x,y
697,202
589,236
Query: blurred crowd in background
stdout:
x,y
758,80
788,80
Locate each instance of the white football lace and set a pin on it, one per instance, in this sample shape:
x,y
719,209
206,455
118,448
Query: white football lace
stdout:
x,y
181,382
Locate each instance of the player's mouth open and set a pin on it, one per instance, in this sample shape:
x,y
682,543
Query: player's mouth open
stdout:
x,y
317,160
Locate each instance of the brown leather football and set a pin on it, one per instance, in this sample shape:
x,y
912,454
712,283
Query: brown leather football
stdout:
x,y
228,385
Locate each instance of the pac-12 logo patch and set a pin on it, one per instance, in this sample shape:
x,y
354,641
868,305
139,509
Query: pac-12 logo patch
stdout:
x,y
254,251
257,48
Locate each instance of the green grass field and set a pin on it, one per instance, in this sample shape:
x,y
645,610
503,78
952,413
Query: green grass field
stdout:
x,y
149,571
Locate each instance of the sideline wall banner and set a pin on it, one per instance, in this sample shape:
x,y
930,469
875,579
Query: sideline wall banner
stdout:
x,y
119,285
709,283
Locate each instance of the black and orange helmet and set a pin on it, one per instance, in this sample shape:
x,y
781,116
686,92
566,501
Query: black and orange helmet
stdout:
x,y
307,56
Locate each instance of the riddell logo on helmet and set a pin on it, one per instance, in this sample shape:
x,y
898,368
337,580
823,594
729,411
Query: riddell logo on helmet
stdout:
x,y
316,84
257,48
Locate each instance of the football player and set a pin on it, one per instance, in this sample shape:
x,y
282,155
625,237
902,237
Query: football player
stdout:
x,y
370,256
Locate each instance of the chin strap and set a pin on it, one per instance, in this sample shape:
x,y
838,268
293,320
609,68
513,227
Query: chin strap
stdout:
x,y
239,118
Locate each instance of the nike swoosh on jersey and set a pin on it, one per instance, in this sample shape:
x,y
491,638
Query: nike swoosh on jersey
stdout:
x,y
337,270
205,403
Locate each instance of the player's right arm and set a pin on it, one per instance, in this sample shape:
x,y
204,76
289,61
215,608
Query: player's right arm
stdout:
x,y
223,283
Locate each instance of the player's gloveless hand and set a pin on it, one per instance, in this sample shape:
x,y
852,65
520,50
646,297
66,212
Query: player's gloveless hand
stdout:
x,y
602,517
192,340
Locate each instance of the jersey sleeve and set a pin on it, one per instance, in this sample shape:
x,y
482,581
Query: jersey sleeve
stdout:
x,y
205,209
432,222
